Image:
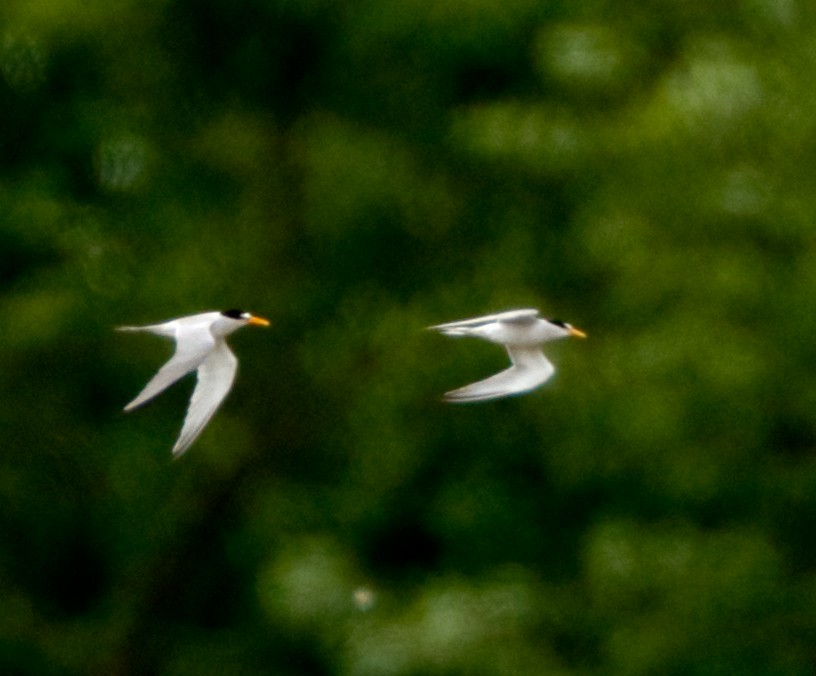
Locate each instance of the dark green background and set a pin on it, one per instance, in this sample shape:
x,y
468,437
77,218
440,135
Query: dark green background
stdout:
x,y
356,171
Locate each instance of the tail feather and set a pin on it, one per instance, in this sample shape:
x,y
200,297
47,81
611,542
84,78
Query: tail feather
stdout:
x,y
166,330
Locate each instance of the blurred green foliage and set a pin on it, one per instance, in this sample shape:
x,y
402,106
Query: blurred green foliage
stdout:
x,y
357,171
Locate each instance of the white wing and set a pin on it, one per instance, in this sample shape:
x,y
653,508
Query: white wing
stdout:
x,y
215,377
513,316
529,370
191,350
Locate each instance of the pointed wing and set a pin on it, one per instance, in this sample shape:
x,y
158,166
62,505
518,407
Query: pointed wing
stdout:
x,y
215,377
191,350
513,316
529,370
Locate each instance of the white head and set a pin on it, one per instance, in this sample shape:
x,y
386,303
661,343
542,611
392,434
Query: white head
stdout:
x,y
559,329
232,320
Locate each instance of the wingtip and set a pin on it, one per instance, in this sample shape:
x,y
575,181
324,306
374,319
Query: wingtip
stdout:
x,y
466,395
455,397
183,444
138,401
448,331
178,450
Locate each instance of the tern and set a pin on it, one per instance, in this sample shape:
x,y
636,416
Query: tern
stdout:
x,y
522,332
201,347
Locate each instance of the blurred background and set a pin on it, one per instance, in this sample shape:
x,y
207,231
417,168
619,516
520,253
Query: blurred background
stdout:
x,y
356,171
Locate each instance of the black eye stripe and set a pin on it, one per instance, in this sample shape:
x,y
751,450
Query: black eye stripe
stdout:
x,y
233,314
558,322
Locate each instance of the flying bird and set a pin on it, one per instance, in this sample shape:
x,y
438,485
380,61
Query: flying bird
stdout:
x,y
201,347
522,332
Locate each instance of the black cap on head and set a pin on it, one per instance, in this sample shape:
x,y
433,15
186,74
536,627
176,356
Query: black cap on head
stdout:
x,y
234,314
558,322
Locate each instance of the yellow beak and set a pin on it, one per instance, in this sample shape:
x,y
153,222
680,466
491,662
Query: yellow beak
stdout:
x,y
259,321
577,332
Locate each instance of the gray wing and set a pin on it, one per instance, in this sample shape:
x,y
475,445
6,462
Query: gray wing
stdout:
x,y
529,370
190,352
215,377
524,316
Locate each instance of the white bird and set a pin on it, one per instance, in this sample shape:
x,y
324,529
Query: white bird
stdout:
x,y
201,347
522,332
